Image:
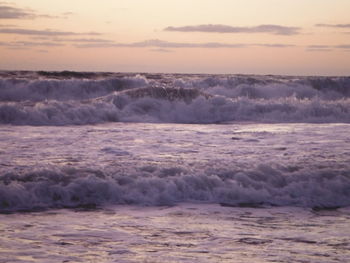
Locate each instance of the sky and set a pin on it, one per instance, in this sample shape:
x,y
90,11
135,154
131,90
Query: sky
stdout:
x,y
288,37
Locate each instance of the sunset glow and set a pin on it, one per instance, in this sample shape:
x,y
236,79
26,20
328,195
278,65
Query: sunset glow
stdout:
x,y
290,37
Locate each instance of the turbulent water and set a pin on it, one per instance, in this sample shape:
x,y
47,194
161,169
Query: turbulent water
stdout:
x,y
46,98
252,153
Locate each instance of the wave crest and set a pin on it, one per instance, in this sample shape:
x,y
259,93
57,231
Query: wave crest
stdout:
x,y
174,98
262,185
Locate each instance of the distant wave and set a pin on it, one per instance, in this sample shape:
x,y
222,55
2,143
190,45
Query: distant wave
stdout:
x,y
202,109
68,98
263,185
17,90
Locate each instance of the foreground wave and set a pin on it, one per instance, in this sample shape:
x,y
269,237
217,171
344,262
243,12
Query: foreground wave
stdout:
x,y
66,98
264,185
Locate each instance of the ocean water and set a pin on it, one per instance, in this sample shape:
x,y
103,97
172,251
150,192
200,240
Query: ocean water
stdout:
x,y
121,167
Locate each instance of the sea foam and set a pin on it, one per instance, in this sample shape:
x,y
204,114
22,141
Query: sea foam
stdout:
x,y
173,99
262,185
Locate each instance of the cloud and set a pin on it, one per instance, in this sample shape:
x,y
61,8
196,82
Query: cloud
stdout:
x,y
46,32
11,12
327,47
319,48
72,40
156,43
343,46
274,45
68,13
161,44
215,28
166,44
334,25
36,44
84,40
29,44
161,50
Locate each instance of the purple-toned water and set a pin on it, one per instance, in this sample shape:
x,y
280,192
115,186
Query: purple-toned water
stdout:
x,y
106,167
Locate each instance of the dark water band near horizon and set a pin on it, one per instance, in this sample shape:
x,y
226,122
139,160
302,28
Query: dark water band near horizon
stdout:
x,y
123,167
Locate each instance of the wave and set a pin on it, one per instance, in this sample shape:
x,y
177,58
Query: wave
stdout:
x,y
82,85
65,98
193,107
17,90
263,185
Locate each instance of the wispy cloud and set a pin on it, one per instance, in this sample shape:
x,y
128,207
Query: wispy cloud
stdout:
x,y
343,46
29,44
166,46
46,32
84,40
68,13
7,25
274,45
156,43
327,47
319,48
334,25
161,50
8,11
11,12
36,44
217,28
161,44
72,40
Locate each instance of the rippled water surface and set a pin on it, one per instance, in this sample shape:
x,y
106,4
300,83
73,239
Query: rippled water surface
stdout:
x,y
304,165
183,233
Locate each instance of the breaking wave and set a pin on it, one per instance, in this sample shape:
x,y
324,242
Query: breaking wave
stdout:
x,y
263,185
81,98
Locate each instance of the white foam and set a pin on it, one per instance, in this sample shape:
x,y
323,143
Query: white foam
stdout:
x,y
120,107
261,185
176,99
63,90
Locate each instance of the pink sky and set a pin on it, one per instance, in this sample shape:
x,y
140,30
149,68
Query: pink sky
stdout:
x,y
292,37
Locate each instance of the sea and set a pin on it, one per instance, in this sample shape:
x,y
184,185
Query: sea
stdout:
x,y
145,167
